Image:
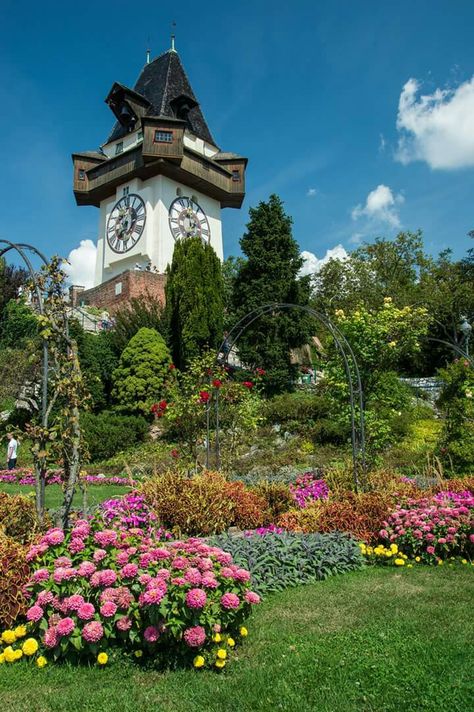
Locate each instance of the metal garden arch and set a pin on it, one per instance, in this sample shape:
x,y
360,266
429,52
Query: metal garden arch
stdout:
x,y
356,399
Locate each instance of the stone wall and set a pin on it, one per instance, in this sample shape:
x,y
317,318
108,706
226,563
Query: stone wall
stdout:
x,y
119,290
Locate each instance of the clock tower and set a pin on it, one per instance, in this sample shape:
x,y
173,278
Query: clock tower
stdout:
x,y
158,178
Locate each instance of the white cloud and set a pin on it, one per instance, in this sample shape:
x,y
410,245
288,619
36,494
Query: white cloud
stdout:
x,y
380,206
437,128
311,192
382,143
313,264
82,264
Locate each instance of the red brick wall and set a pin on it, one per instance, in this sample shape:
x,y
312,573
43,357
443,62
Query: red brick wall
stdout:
x,y
134,284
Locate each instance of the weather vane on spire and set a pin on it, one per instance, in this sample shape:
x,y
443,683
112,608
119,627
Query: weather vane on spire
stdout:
x,y
173,36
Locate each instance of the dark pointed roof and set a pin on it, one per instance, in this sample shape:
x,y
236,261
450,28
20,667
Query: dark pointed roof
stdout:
x,y
163,83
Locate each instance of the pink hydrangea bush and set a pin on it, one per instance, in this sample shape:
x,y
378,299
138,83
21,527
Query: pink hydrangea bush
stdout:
x,y
433,528
308,488
92,589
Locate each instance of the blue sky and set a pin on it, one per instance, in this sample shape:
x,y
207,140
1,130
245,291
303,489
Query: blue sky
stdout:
x,y
309,91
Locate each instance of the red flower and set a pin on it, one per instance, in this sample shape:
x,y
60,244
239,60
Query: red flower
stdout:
x,y
172,366
174,453
163,405
204,396
248,384
260,371
217,383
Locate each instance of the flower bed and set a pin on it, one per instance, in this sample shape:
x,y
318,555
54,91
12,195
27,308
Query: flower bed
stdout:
x,y
25,476
94,590
433,528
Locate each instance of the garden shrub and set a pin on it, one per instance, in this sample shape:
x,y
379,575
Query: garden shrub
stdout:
x,y
130,512
14,573
299,410
108,433
277,497
18,518
93,589
457,484
197,505
204,504
358,514
433,528
457,401
277,561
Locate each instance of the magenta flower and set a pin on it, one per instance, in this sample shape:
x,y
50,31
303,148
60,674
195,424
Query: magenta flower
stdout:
x,y
252,597
34,614
65,626
129,571
86,569
41,575
195,636
230,601
196,598
151,634
124,623
92,632
86,611
50,638
108,609
74,602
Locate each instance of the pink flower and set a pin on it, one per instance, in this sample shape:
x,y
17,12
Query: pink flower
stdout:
x,y
50,637
86,611
471,538
194,637
124,623
86,569
230,600
430,549
252,597
196,598
129,571
153,596
227,572
76,545
74,602
242,575
217,627
151,634
208,581
92,632
35,613
193,576
441,540
108,609
179,562
54,536
99,554
44,597
105,537
122,558
65,626
41,575
123,597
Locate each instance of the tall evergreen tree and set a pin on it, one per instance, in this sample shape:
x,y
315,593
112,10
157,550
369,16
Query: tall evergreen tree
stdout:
x,y
194,300
270,274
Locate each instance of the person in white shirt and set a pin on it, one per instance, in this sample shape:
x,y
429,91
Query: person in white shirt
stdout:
x,y
11,451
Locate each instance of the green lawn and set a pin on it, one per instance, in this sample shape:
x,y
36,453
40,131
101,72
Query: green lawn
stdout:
x,y
54,493
378,640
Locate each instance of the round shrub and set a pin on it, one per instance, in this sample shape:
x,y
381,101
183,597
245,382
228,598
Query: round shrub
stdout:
x,y
18,518
94,588
108,433
277,496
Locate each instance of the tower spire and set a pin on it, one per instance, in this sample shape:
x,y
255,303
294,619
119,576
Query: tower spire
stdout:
x,y
173,37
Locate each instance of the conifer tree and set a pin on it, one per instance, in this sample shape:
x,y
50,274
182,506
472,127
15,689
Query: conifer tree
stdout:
x,y
270,274
194,300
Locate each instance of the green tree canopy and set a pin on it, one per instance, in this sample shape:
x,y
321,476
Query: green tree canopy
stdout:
x,y
270,274
143,369
194,300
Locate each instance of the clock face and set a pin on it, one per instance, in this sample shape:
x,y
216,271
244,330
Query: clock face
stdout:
x,y
126,223
188,219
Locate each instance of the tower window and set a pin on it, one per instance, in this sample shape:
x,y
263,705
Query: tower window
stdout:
x,y
119,148
236,176
81,174
163,137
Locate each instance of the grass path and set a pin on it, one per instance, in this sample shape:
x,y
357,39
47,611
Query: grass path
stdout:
x,y
379,640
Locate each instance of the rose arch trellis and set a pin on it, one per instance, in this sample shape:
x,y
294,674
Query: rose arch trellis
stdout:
x,y
351,368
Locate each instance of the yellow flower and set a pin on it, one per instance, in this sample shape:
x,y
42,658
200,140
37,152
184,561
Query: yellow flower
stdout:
x,y
417,559
369,550
221,654
393,548
340,313
217,637
9,654
463,561
20,631
138,653
244,632
230,642
387,300
404,556
409,566
388,553
18,654
392,344
8,637
2,658
198,661
102,658
440,562
41,661
30,646
399,562
220,663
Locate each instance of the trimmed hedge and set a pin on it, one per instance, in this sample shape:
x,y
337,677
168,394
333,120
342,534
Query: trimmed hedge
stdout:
x,y
278,561
108,433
